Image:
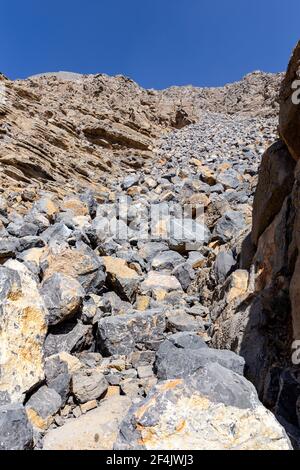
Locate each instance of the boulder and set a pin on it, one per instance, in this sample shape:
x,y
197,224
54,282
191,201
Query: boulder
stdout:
x,y
167,260
23,329
42,406
63,297
213,410
156,280
79,263
122,278
173,361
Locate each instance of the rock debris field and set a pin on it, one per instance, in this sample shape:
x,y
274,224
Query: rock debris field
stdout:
x,y
117,307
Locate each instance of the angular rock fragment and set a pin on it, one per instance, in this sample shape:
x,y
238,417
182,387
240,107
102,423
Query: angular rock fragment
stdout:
x,y
42,406
177,362
88,384
16,432
123,279
123,334
63,297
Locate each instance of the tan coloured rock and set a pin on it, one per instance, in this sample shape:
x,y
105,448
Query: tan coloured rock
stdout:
x,y
22,333
63,131
73,363
238,284
165,282
124,279
96,430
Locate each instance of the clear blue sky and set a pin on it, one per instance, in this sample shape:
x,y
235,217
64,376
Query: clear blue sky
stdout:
x,y
158,43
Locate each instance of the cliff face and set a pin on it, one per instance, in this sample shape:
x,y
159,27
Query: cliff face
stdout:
x,y
66,131
266,324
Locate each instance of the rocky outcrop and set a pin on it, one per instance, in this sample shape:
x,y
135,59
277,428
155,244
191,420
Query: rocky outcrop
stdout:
x,y
264,323
63,131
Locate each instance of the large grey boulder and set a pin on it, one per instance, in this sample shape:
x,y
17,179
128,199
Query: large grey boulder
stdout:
x,y
214,409
177,362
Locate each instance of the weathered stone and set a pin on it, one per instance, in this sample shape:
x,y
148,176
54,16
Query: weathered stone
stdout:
x,y
63,297
156,280
185,275
179,320
187,340
23,330
96,430
289,116
175,362
238,285
58,376
145,372
88,384
69,338
122,334
149,250
167,260
42,406
227,227
80,263
214,410
124,279
15,430
196,259
223,265
8,247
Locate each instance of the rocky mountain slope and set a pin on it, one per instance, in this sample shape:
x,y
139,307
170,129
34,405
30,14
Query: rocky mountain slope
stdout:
x,y
132,313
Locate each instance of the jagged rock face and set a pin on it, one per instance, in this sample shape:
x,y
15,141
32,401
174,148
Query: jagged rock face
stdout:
x,y
65,131
264,323
289,116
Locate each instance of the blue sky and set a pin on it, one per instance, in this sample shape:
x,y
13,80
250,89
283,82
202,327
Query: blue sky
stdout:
x,y
157,43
